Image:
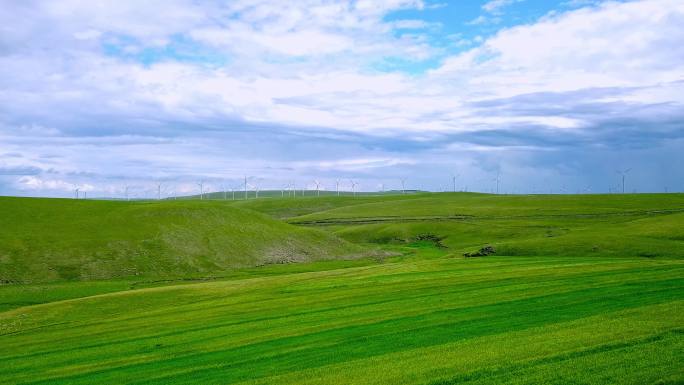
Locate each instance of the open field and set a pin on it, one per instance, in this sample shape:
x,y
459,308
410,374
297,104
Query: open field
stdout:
x,y
581,289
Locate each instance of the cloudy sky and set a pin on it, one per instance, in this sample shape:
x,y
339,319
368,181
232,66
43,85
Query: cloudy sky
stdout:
x,y
553,95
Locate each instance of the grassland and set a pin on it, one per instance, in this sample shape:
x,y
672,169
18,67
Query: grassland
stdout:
x,y
43,240
581,290
649,226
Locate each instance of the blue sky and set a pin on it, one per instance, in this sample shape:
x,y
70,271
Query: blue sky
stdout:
x,y
555,96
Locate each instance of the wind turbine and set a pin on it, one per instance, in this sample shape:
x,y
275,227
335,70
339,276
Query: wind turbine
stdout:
x,y
201,187
159,190
624,174
403,189
497,182
318,188
254,185
76,192
453,180
337,187
353,186
126,187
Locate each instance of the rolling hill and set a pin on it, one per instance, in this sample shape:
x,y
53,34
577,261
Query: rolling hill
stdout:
x,y
581,289
649,225
60,239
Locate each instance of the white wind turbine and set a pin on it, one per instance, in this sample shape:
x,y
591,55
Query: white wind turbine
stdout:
x,y
76,191
337,187
453,179
624,174
254,186
403,185
497,179
318,187
201,187
353,186
245,185
293,189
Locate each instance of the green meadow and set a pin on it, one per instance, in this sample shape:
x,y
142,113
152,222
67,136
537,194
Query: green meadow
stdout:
x,y
580,289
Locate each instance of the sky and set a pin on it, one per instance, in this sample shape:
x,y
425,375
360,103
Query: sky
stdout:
x,y
547,96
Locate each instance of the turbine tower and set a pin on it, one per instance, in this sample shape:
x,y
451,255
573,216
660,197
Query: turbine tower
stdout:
x,y
76,192
337,187
201,187
403,187
497,182
353,186
624,174
318,188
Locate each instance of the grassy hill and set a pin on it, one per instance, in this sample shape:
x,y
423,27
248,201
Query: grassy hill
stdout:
x,y
650,226
284,208
444,205
581,289
61,239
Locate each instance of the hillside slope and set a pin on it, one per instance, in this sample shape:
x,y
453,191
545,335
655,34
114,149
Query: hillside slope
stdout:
x,y
58,239
289,207
497,206
444,321
633,225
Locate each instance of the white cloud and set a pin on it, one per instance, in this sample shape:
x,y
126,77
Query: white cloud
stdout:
x,y
307,67
496,5
40,184
595,47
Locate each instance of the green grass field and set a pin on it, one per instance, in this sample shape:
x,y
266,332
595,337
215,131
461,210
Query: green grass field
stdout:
x,y
581,290
60,239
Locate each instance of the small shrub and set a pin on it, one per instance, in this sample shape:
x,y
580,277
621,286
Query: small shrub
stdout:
x,y
483,252
429,237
